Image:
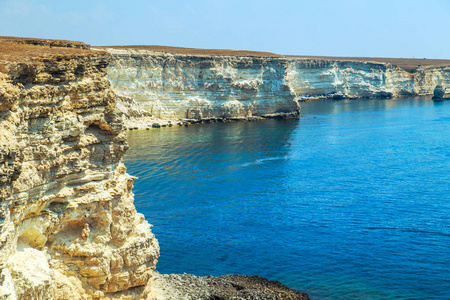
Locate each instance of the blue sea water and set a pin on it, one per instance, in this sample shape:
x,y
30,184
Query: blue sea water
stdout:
x,y
351,201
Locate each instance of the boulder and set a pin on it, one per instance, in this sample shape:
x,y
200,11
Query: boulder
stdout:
x,y
439,92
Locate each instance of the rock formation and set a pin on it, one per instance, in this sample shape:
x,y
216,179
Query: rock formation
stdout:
x,y
438,93
68,226
173,86
313,78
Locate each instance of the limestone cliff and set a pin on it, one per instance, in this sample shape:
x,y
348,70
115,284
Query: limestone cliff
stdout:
x,y
310,78
68,226
171,86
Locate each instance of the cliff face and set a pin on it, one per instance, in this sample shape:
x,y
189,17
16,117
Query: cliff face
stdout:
x,y
172,86
195,87
357,79
68,226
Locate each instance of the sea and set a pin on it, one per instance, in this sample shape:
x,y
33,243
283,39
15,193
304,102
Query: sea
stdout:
x,y
350,201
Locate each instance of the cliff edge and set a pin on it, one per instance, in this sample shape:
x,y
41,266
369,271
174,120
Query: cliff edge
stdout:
x,y
170,85
159,86
68,226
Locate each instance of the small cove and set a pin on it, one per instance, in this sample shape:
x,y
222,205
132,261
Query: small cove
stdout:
x,y
350,201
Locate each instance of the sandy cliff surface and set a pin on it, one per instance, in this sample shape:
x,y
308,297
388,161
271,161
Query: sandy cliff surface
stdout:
x,y
167,83
68,226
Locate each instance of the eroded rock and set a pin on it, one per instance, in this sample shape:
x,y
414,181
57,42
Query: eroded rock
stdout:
x,y
438,92
68,225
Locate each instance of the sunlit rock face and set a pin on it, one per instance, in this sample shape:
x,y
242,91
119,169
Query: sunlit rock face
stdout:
x,y
183,86
173,86
309,78
352,79
68,225
426,79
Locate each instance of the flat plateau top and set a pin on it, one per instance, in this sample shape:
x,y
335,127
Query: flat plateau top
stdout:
x,y
196,51
16,49
408,64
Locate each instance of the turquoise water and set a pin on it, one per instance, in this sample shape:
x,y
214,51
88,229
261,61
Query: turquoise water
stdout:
x,y
349,202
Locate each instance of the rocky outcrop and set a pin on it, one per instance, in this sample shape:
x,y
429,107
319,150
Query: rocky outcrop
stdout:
x,y
190,287
170,86
46,43
173,87
68,226
439,93
312,78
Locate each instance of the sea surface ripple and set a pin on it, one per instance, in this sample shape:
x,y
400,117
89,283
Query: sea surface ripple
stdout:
x,y
349,202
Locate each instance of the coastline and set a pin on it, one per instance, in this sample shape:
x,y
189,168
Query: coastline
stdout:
x,y
69,228
161,84
67,214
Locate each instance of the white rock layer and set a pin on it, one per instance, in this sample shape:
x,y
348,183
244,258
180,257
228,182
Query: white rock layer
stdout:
x,y
173,86
196,87
312,77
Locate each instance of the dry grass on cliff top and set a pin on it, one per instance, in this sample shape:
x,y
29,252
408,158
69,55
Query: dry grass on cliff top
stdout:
x,y
16,49
196,51
408,64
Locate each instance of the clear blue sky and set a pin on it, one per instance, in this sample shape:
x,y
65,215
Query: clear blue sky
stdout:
x,y
378,28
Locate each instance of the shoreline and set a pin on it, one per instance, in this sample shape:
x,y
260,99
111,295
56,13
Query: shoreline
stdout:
x,y
143,124
67,209
187,122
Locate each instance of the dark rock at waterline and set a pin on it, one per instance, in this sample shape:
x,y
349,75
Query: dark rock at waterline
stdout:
x,y
338,96
227,287
187,122
438,92
238,119
282,115
384,95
